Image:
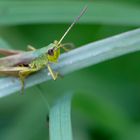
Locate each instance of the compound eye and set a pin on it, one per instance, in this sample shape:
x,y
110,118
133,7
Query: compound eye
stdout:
x,y
51,52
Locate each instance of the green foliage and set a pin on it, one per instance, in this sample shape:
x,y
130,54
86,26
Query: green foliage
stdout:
x,y
107,104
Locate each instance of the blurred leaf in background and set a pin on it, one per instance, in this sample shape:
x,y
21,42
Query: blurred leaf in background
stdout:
x,y
108,100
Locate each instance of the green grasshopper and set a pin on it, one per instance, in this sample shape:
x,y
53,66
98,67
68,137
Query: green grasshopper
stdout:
x,y
22,64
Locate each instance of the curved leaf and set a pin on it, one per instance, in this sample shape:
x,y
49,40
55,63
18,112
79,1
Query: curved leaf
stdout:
x,y
85,56
60,119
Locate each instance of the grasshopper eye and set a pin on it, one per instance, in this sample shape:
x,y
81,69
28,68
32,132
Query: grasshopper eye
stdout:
x,y
51,52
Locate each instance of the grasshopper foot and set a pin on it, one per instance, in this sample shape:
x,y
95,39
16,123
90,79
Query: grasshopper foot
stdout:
x,y
55,75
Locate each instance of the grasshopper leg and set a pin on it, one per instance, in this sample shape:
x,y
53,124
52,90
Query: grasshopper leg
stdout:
x,y
31,48
67,46
53,74
23,74
22,79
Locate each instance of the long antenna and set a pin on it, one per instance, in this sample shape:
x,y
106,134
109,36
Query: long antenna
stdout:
x,y
82,12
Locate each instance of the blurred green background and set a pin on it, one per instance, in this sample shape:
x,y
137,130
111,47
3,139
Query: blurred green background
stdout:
x,y
107,103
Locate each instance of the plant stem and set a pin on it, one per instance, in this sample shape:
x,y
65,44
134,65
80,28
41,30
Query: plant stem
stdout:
x,y
87,55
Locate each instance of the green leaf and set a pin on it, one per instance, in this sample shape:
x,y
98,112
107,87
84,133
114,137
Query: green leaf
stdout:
x,y
85,56
60,119
25,12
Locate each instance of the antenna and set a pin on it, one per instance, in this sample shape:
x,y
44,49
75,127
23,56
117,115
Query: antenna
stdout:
x,y
82,12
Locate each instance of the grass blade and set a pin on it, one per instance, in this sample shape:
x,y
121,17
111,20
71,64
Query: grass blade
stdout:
x,y
89,54
60,119
25,12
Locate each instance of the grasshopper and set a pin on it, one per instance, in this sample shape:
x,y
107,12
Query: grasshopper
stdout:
x,y
22,64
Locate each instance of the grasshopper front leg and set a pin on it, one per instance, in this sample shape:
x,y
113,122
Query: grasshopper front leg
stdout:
x,y
67,46
31,48
53,74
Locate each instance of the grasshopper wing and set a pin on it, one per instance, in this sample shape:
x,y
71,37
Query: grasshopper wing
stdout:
x,y
8,52
24,57
15,60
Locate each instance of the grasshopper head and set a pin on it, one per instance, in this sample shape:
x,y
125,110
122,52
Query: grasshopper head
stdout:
x,y
54,52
